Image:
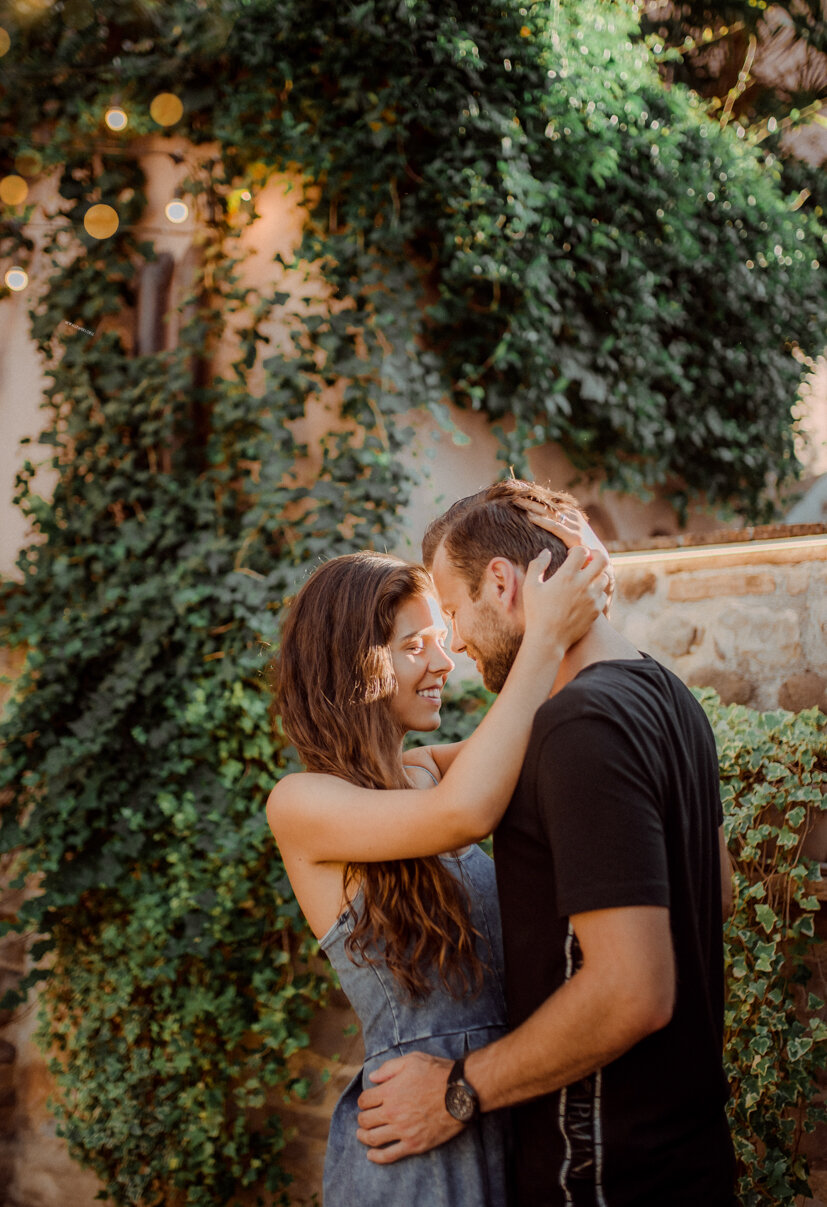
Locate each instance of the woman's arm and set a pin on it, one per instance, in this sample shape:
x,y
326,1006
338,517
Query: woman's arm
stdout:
x,y
571,527
323,819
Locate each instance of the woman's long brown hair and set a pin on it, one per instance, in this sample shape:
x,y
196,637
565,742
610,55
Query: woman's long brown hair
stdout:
x,y
333,683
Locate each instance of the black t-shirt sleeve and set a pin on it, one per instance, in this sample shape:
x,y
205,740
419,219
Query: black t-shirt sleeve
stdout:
x,y
598,807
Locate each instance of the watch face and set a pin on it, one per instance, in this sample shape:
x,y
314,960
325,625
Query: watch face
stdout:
x,y
460,1103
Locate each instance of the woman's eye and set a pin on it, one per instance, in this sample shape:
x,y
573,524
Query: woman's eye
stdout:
x,y
415,649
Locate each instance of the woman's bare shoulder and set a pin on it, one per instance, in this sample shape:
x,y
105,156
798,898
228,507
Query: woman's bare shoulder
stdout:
x,y
421,757
296,789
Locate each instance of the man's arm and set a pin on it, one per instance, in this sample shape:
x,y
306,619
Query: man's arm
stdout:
x,y
727,888
623,991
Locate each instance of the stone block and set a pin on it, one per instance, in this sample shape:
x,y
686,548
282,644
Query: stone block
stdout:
x,y
764,636
688,587
675,634
818,1185
45,1176
331,1034
730,686
798,580
634,584
636,628
806,690
815,844
820,614
309,1124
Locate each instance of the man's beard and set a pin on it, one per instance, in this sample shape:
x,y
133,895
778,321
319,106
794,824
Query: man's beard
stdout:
x,y
501,644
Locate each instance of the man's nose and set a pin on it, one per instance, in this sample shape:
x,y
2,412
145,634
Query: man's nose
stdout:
x,y
457,644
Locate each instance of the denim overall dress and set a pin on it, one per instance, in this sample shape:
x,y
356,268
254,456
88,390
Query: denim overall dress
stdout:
x,y
468,1171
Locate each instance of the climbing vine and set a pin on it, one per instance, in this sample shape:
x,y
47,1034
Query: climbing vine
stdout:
x,y
510,212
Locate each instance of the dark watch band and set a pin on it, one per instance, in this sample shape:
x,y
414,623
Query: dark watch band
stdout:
x,y
461,1100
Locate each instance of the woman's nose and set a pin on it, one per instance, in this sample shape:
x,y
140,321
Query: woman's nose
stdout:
x,y
441,662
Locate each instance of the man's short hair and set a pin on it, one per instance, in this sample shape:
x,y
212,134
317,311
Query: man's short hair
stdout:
x,y
491,524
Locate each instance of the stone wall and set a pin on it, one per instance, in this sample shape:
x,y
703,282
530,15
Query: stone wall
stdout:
x,y
747,617
743,612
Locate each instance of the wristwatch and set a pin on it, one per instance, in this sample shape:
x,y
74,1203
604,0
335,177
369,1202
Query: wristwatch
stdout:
x,y
461,1099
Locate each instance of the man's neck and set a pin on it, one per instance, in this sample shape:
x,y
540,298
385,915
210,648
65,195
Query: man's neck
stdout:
x,y
602,643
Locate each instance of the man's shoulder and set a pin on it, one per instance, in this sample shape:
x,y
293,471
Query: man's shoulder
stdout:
x,y
599,682
611,690
630,696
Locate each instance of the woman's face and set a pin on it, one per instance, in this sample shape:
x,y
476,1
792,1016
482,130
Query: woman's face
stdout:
x,y
420,663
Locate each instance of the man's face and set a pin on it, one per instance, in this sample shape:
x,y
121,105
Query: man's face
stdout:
x,y
482,628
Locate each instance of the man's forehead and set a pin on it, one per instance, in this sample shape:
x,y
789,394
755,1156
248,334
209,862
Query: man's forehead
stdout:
x,y
447,579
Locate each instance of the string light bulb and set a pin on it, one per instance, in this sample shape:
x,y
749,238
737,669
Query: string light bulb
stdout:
x,y
101,221
16,278
166,109
176,210
29,163
13,190
116,118
5,42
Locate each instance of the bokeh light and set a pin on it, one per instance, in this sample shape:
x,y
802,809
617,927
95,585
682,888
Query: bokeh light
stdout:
x,y
177,210
16,278
5,41
100,221
29,163
116,118
13,190
78,13
166,109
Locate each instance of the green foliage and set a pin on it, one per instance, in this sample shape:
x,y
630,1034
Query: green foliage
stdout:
x,y
773,784
500,222
774,777
761,67
604,266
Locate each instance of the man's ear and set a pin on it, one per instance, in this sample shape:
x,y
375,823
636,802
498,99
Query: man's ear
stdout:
x,y
502,584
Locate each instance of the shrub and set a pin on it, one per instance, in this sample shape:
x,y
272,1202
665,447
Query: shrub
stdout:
x,y
773,777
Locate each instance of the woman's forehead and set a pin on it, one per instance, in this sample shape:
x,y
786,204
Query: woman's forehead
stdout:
x,y
418,613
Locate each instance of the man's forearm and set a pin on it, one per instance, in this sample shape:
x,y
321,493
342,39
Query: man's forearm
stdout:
x,y
623,992
573,1033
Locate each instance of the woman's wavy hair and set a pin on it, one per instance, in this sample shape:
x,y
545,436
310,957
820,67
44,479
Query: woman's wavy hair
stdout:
x,y
333,682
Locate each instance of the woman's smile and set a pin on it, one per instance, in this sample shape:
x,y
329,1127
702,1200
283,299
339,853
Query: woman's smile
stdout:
x,y
420,663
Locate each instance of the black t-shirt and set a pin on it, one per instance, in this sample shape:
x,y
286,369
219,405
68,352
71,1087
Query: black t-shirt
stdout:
x,y
617,805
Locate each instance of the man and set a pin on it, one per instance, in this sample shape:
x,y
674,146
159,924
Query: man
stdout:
x,y
609,872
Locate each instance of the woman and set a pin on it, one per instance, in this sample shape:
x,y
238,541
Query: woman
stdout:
x,y
413,933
